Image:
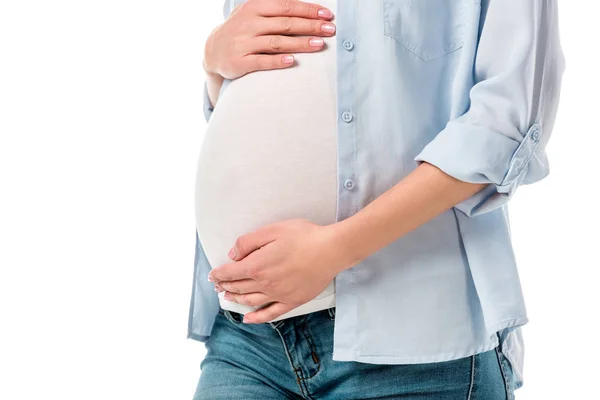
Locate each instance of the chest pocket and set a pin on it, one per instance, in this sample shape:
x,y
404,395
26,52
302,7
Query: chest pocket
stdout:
x,y
427,28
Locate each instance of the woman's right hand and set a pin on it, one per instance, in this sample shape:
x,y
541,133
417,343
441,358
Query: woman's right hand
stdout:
x,y
255,36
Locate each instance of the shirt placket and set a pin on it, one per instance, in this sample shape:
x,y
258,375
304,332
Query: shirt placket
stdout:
x,y
348,186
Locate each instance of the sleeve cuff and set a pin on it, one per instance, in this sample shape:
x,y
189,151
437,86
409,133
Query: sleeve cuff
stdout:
x,y
479,155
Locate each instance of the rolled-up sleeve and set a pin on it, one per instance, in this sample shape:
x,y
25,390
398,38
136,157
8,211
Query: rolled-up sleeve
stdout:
x,y
502,137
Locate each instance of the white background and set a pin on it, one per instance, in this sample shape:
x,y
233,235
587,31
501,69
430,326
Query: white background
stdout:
x,y
100,126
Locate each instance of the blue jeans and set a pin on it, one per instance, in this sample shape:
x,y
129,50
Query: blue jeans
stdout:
x,y
291,359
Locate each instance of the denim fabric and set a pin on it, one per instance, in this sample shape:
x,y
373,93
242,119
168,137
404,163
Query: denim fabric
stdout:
x,y
291,359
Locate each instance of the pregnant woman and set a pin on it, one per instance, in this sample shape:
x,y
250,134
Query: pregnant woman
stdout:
x,y
352,196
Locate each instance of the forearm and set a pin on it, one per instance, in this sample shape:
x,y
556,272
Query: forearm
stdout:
x,y
419,197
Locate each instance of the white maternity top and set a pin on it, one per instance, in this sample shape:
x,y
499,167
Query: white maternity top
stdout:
x,y
269,154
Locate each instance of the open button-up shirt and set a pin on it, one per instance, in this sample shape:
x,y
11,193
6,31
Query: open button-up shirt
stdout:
x,y
472,87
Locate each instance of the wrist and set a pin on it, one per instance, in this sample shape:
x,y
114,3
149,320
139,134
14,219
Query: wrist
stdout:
x,y
215,79
214,83
211,73
342,244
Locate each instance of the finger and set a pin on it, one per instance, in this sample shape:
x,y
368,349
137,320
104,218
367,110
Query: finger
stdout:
x,y
252,241
294,26
250,299
292,8
233,271
241,286
285,44
267,313
266,62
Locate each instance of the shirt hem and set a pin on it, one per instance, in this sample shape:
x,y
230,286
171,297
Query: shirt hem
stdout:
x,y
510,323
199,338
396,359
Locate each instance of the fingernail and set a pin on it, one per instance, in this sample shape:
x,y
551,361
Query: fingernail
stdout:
x,y
227,296
329,28
324,13
316,42
210,279
287,59
246,320
232,253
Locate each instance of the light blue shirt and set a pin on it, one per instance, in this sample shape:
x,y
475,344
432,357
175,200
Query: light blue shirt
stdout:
x,y
471,87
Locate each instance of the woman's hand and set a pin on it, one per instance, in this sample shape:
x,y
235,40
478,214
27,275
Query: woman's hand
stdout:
x,y
287,264
256,36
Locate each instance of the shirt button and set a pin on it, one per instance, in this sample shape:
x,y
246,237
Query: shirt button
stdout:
x,y
535,136
349,184
518,163
347,116
348,45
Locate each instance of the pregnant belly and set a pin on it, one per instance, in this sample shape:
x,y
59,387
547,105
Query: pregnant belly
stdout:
x,y
269,154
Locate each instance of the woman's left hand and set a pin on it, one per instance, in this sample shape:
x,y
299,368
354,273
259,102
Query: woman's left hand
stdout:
x,y
287,264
